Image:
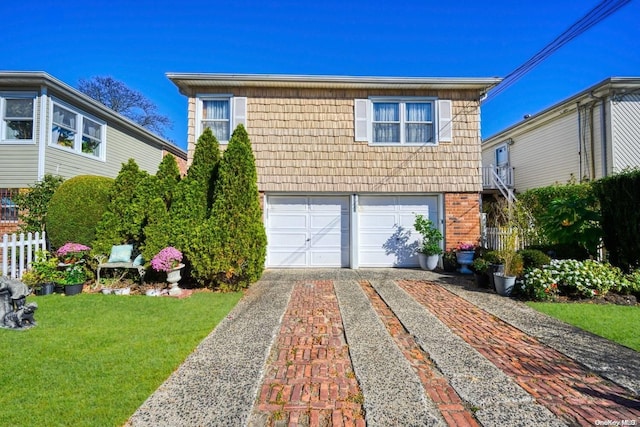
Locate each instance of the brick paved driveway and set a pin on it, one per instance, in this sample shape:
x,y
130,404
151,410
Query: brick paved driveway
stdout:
x,y
348,348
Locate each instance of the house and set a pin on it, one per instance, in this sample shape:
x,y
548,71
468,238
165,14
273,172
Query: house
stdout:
x,y
345,163
50,127
590,135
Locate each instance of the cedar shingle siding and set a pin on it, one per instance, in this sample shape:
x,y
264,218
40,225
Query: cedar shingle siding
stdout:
x,y
303,140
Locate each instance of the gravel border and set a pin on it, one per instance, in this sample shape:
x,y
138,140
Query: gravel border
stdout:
x,y
218,383
393,393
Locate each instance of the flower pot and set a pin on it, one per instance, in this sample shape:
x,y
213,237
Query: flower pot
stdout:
x,y
428,262
173,277
494,268
45,289
504,284
482,280
464,258
58,288
73,289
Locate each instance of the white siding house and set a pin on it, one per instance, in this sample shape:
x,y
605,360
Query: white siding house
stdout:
x,y
587,136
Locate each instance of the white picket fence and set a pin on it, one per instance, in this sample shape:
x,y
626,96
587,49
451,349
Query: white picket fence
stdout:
x,y
18,251
494,239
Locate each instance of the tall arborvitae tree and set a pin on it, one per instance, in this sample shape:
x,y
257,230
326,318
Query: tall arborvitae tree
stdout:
x,y
235,237
169,176
123,220
193,195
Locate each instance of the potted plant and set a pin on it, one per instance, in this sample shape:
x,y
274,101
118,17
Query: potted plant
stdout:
x,y
512,261
42,273
464,256
449,262
169,260
480,268
430,250
73,278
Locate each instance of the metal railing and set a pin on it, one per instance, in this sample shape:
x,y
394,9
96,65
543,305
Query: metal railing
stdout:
x,y
18,251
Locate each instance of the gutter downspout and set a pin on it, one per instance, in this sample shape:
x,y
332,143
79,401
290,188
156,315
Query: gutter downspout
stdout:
x,y
603,131
42,137
579,142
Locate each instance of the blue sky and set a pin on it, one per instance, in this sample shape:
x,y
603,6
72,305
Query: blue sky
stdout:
x,y
139,41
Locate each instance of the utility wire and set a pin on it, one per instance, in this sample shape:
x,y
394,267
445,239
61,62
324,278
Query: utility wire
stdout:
x,y
593,17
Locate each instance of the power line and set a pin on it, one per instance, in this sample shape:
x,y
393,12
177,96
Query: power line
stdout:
x,y
593,17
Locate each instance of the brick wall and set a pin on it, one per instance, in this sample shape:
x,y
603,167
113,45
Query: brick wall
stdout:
x,y
462,218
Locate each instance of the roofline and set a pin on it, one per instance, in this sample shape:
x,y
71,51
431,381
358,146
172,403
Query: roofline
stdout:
x,y
606,87
184,81
42,78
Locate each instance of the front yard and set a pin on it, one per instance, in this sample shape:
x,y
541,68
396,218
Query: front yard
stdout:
x,y
93,359
614,322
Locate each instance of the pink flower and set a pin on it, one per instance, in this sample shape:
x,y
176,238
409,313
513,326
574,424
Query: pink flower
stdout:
x,y
70,247
464,246
167,259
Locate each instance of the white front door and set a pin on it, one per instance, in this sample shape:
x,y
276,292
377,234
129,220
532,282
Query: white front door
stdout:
x,y
307,231
386,237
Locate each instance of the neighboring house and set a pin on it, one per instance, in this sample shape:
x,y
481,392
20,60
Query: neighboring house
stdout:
x,y
587,136
50,127
345,163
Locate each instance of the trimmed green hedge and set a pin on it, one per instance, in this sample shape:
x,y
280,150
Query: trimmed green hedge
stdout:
x,y
76,208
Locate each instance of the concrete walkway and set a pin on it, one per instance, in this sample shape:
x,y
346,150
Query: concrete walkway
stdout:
x,y
390,347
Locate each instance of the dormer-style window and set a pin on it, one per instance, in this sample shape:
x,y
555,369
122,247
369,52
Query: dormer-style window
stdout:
x,y
402,121
75,131
220,113
17,111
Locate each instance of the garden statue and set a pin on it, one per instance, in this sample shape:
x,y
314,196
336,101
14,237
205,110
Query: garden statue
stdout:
x,y
14,313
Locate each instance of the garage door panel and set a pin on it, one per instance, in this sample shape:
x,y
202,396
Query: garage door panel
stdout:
x,y
288,258
386,237
288,221
285,239
377,221
323,225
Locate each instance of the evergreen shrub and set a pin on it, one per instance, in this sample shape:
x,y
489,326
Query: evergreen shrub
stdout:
x,y
76,208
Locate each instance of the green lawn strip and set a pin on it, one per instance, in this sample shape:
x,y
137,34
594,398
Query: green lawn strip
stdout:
x,y
615,322
93,359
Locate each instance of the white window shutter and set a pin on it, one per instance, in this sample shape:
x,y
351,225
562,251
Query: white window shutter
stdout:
x,y
445,120
239,111
361,120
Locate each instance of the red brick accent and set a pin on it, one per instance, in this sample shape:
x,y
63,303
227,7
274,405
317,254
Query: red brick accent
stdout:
x,y
443,395
309,379
570,391
462,218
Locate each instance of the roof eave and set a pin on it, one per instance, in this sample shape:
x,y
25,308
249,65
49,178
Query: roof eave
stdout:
x,y
41,78
187,81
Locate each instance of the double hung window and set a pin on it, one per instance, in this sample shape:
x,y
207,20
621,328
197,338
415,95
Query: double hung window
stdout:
x,y
71,129
17,111
221,113
216,115
402,122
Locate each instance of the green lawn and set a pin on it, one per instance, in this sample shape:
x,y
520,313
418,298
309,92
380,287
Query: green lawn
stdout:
x,y
615,322
93,359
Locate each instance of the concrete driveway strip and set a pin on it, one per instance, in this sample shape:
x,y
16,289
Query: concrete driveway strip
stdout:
x,y
478,382
217,384
393,394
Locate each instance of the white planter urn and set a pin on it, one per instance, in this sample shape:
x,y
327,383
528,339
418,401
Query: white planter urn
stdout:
x,y
428,262
173,277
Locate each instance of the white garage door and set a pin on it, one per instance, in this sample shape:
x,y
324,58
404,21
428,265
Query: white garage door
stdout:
x,y
308,231
386,237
